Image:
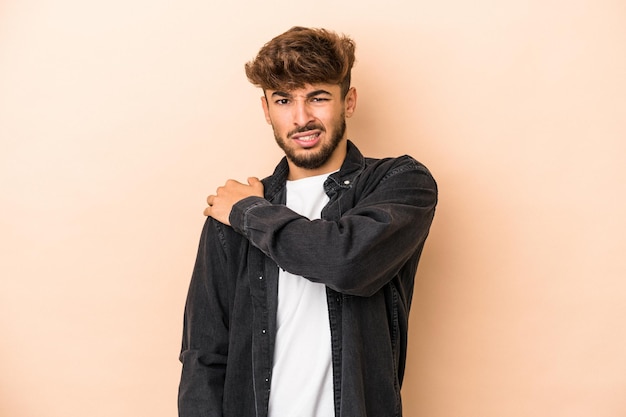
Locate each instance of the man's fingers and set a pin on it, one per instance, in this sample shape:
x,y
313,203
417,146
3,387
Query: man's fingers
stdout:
x,y
220,204
209,200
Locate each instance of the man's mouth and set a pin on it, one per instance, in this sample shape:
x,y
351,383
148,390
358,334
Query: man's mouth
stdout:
x,y
307,139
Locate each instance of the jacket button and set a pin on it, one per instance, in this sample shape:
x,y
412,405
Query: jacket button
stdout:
x,y
347,182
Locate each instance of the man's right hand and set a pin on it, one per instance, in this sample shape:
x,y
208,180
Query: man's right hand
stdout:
x,y
226,196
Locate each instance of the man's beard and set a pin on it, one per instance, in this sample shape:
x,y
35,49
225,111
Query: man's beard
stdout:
x,y
313,159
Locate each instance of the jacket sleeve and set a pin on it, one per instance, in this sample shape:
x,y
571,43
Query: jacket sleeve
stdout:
x,y
365,247
205,330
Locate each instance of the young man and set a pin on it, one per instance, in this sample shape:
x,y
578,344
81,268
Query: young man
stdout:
x,y
299,300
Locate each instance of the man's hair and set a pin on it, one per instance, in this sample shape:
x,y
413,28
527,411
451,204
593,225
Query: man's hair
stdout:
x,y
303,56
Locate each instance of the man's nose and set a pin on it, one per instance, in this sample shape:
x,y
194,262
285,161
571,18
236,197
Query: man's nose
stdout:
x,y
302,114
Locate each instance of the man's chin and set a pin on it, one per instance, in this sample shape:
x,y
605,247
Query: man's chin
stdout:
x,y
312,160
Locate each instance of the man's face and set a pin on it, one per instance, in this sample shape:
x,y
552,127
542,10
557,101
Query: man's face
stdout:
x,y
310,127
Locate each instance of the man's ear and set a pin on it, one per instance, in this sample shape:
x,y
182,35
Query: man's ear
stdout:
x,y
266,109
350,101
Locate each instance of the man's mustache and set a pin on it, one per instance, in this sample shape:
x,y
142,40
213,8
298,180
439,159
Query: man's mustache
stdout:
x,y
306,129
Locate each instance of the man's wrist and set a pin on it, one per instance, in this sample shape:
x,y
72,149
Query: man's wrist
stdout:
x,y
239,212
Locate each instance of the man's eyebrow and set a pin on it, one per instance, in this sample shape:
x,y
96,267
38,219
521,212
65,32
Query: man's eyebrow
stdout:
x,y
309,95
281,94
317,93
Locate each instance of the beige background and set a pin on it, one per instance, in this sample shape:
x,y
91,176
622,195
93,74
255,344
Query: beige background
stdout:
x,y
117,118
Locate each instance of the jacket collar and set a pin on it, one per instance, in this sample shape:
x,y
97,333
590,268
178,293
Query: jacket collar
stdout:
x,y
350,169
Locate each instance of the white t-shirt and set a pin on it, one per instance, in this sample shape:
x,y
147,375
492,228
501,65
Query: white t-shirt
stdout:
x,y
302,383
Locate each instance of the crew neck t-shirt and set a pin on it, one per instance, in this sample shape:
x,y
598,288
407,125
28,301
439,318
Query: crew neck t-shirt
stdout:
x,y
302,383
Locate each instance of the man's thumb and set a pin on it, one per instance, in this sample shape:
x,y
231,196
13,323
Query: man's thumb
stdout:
x,y
253,181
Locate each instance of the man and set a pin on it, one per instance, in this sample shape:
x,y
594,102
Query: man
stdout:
x,y
299,300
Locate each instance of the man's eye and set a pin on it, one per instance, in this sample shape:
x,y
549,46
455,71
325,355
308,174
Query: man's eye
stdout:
x,y
318,99
282,101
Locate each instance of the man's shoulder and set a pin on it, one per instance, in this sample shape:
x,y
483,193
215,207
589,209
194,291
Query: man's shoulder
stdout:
x,y
395,165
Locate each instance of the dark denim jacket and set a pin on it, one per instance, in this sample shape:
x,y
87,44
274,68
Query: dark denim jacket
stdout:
x,y
365,249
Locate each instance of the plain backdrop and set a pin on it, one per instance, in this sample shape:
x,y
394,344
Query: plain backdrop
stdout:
x,y
117,118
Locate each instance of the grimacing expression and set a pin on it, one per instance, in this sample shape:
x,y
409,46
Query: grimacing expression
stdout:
x,y
308,123
312,159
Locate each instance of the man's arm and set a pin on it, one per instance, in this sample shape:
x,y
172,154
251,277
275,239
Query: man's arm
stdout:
x,y
364,248
205,333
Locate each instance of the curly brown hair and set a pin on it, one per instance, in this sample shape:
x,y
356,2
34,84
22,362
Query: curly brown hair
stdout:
x,y
303,56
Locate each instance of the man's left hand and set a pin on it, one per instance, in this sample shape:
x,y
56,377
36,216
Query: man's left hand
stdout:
x,y
226,196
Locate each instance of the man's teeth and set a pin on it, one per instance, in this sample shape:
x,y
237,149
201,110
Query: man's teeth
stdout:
x,y
308,138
